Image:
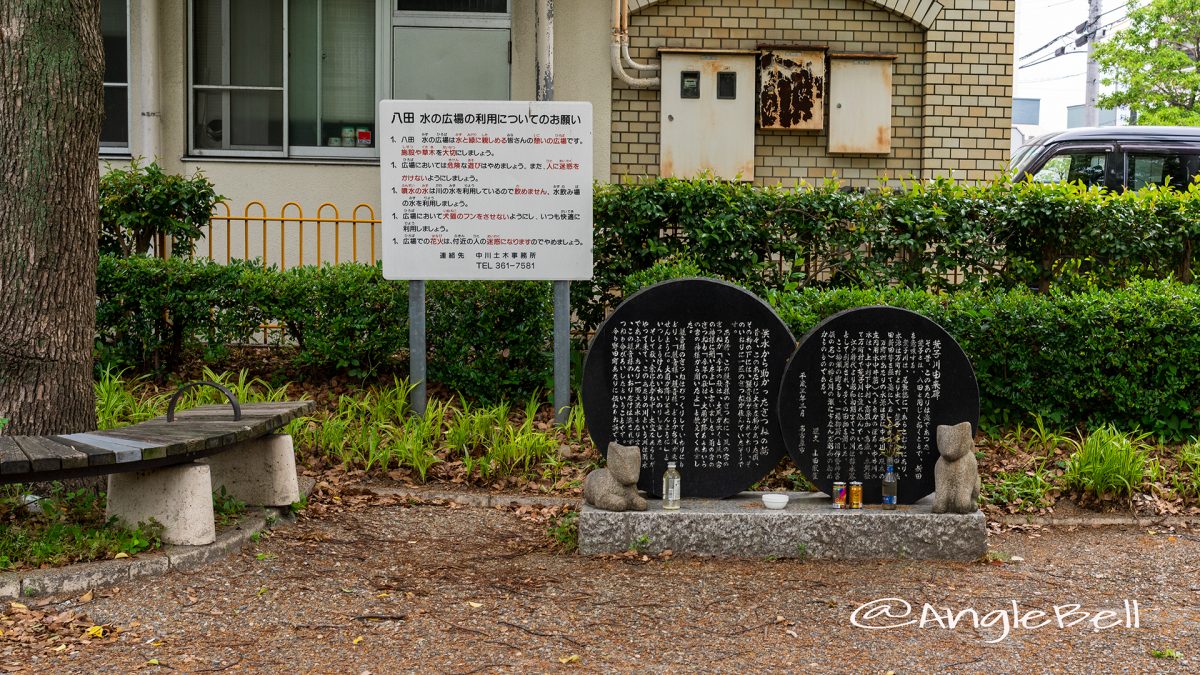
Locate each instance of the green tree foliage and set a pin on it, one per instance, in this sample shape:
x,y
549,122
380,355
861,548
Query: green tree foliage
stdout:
x,y
139,203
1153,64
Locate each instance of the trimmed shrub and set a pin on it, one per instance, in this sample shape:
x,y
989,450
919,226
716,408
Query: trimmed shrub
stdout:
x,y
139,203
1128,356
932,235
343,317
489,339
486,340
151,311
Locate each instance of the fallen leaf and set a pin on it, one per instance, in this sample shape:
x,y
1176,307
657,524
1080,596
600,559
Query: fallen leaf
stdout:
x,y
153,662
574,658
18,607
87,597
120,555
475,604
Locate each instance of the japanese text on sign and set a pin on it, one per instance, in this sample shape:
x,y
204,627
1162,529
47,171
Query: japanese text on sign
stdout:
x,y
486,189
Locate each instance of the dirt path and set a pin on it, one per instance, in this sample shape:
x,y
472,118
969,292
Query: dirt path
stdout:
x,y
385,588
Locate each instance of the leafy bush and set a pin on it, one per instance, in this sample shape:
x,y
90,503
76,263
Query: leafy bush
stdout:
x,y
933,235
151,311
1127,356
139,203
485,339
489,339
344,317
1107,462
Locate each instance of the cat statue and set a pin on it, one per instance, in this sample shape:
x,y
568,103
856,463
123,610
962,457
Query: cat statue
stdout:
x,y
615,488
956,474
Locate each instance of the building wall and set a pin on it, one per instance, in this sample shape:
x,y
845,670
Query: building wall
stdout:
x,y
951,93
581,44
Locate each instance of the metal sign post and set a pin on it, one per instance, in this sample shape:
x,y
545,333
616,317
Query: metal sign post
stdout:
x,y
498,190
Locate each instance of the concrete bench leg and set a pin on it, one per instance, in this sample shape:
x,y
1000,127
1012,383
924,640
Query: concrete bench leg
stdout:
x,y
261,472
178,497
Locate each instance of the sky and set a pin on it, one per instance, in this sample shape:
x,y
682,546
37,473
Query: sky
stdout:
x,y
1057,82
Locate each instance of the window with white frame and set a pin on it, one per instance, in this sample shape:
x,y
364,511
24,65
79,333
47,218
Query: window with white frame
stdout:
x,y
114,29
283,78
451,49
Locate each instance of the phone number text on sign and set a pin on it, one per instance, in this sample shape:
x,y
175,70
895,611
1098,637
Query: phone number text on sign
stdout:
x,y
486,189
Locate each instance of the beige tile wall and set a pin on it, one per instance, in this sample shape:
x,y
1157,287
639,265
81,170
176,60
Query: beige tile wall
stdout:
x,y
951,93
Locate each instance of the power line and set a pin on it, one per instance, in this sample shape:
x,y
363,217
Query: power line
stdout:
x,y
1076,30
1051,58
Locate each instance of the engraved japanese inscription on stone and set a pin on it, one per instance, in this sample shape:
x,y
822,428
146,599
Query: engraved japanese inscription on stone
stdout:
x,y
687,370
863,375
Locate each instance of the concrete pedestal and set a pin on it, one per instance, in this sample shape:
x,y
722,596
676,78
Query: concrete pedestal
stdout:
x,y
261,472
808,528
178,497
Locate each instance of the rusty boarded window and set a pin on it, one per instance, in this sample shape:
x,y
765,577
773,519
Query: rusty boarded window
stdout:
x,y
792,89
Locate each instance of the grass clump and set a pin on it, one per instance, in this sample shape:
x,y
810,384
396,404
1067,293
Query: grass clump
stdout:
x,y
564,531
227,509
1107,462
64,527
1029,489
376,432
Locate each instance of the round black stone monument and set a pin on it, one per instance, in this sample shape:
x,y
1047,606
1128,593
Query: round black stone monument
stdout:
x,y
861,372
688,370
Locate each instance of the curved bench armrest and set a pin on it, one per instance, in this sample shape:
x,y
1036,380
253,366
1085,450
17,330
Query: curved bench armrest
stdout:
x,y
237,408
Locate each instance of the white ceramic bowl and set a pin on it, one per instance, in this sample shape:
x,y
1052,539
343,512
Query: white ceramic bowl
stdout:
x,y
775,501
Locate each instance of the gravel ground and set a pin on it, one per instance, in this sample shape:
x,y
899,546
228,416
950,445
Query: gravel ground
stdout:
x,y
385,586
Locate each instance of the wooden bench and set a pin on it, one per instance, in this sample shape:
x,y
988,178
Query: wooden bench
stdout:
x,y
167,468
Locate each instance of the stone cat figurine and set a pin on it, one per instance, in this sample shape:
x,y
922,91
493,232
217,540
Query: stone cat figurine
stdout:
x,y
956,474
615,488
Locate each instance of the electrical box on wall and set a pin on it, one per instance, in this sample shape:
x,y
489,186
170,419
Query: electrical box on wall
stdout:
x,y
860,104
791,94
708,113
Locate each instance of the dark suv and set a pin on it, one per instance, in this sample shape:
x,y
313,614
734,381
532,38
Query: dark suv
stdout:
x,y
1113,157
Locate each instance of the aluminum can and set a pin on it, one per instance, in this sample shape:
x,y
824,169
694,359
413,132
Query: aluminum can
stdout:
x,y
839,495
855,495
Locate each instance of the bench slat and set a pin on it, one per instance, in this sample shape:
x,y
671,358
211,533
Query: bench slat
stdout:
x,y
46,455
214,433
96,456
12,458
201,429
173,441
124,451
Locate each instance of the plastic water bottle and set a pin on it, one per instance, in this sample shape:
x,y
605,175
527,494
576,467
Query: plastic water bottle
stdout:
x,y
672,486
889,488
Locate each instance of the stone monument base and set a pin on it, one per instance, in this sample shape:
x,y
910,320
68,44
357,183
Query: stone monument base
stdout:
x,y
808,528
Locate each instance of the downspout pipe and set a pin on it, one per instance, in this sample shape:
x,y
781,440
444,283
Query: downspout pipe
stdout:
x,y
545,50
625,57
619,39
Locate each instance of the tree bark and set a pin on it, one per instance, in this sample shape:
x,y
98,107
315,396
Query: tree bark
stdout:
x,y
51,104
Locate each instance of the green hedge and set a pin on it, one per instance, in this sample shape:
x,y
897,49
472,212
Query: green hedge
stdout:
x,y
485,340
1128,356
150,311
930,235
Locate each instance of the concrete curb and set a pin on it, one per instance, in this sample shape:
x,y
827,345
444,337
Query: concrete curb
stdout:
x,y
78,579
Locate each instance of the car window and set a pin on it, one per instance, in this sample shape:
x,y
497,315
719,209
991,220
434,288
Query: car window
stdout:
x,y
1144,168
1087,166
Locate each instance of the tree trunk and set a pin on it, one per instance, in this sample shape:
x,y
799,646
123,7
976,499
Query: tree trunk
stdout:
x,y
51,71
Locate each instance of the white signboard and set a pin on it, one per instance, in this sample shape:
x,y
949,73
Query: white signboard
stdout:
x,y
486,189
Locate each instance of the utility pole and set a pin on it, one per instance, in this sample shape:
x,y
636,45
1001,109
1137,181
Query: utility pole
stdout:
x,y
1090,115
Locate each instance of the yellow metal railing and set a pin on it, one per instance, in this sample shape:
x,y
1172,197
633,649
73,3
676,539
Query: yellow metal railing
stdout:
x,y
291,238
